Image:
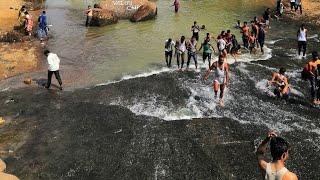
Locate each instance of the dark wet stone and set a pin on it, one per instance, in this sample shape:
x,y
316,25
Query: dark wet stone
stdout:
x,y
79,135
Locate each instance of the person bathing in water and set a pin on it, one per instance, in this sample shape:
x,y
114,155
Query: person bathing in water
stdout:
x,y
261,37
235,47
169,46
252,43
280,81
176,5
89,14
275,170
221,77
181,48
313,68
195,30
207,51
245,35
192,52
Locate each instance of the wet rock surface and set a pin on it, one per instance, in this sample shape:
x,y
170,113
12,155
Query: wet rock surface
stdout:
x,y
110,11
80,135
145,12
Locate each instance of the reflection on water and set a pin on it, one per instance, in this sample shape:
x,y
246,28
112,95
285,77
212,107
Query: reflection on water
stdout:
x,y
127,48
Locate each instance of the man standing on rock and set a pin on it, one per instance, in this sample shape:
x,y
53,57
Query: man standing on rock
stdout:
x,y
53,68
89,13
280,153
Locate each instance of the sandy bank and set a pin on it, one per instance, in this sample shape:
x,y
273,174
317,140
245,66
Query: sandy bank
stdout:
x,y
310,14
16,58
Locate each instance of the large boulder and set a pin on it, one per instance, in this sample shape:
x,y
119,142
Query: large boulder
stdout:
x,y
102,17
125,9
145,12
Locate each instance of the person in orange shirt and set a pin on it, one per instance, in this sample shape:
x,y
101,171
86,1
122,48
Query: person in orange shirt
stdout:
x,y
313,68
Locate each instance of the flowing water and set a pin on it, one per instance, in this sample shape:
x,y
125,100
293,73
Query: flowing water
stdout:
x,y
111,52
126,50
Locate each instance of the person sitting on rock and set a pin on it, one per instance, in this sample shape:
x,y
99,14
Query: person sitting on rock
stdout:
x,y
281,84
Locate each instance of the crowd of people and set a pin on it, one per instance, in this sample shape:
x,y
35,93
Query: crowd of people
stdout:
x,y
226,45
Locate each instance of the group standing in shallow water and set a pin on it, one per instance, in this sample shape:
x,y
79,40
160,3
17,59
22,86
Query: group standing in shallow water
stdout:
x,y
226,44
253,38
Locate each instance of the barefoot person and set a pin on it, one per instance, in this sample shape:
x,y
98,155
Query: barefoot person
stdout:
x,y
266,18
53,68
207,51
221,45
274,170
192,52
312,77
252,43
176,5
195,30
280,82
181,48
221,77
261,37
235,47
89,14
245,34
169,46
302,36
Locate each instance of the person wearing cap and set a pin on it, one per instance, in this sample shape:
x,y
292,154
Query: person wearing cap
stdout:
x,y
313,68
53,68
279,149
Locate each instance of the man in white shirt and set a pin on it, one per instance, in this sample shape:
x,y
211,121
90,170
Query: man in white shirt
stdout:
x,y
53,68
169,46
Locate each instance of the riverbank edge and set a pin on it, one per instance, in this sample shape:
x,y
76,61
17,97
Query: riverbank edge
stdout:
x,y
19,57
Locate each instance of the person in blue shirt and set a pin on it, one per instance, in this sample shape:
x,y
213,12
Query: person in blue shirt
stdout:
x,y
43,24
